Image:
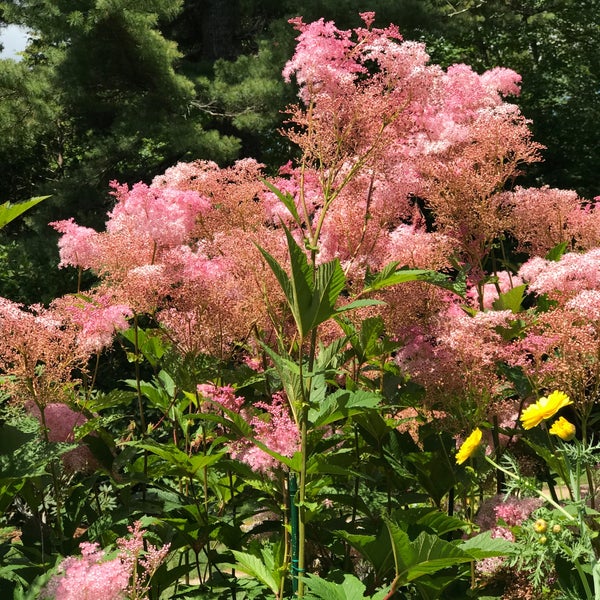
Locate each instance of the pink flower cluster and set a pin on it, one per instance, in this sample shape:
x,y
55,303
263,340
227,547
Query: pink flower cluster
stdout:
x,y
40,350
60,422
93,575
381,131
97,318
89,577
272,426
498,514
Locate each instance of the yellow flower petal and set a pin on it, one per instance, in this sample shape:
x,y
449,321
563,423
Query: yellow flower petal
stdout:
x,y
469,446
544,408
564,429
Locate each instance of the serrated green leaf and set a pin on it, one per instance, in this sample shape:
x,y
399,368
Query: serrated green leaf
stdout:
x,y
253,566
341,405
556,253
425,555
350,589
439,522
484,545
390,275
376,549
511,300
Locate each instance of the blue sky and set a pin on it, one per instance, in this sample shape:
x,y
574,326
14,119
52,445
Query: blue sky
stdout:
x,y
14,39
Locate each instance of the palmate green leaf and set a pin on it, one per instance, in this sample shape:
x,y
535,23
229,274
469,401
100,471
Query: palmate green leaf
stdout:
x,y
342,404
9,212
485,546
511,300
425,555
376,549
184,464
328,465
428,519
254,566
350,589
311,293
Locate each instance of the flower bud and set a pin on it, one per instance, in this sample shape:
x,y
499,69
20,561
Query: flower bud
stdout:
x,y
564,429
540,526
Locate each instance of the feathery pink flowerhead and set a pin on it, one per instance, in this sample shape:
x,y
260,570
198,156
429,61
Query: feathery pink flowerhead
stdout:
x,y
78,246
275,429
504,81
587,304
36,337
167,216
61,422
221,395
368,17
97,318
573,273
321,61
92,576
511,510
89,577
272,425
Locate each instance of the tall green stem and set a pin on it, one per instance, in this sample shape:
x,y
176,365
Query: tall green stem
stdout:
x,y
138,377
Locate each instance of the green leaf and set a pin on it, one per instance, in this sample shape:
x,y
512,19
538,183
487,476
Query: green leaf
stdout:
x,y
329,283
433,471
376,549
350,589
436,521
184,464
289,373
556,253
341,405
9,212
358,304
485,546
511,300
286,199
425,555
253,566
302,286
391,275
311,293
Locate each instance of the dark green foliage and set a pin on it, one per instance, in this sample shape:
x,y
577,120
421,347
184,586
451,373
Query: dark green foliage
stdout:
x,y
552,45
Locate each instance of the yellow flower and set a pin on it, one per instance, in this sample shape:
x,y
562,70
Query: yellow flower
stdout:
x,y
544,408
563,429
469,446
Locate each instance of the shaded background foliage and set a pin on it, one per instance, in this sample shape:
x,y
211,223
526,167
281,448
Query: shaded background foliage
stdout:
x,y
121,90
